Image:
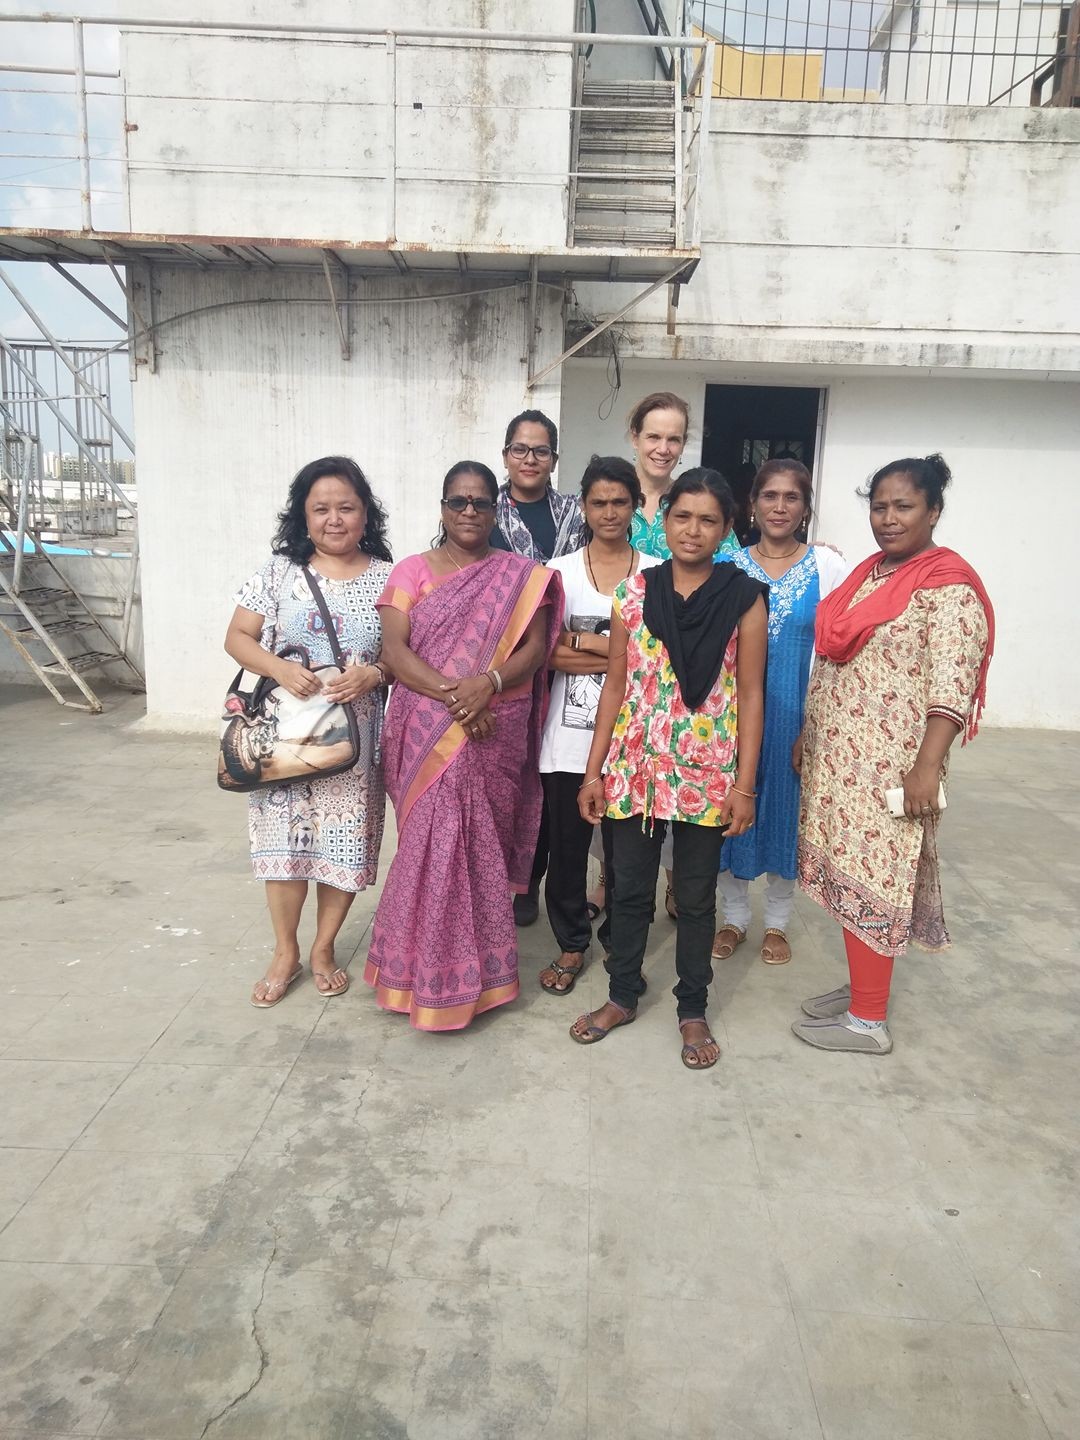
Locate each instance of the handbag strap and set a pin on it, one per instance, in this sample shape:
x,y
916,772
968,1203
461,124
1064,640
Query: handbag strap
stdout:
x,y
331,628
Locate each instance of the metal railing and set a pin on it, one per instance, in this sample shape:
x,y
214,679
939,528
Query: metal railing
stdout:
x,y
101,151
946,52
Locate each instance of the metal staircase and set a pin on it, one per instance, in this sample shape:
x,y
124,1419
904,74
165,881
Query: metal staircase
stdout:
x,y
51,626
627,172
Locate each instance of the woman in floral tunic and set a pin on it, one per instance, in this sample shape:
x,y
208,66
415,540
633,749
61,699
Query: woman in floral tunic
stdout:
x,y
327,831
679,721
903,647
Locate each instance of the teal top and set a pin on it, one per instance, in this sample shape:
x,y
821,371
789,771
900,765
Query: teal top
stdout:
x,y
649,538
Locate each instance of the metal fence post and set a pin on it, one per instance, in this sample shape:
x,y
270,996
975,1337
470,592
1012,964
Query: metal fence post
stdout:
x,y
391,136
84,127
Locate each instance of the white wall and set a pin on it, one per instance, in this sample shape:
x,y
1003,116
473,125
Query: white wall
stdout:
x,y
906,235
1014,447
243,397
291,137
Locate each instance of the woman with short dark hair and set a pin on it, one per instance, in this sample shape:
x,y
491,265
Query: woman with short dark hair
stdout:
x,y
326,830
468,631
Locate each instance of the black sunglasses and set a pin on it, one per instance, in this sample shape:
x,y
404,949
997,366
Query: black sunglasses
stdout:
x,y
460,503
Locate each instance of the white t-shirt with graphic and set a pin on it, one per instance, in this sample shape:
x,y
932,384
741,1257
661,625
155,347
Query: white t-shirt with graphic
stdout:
x,y
571,716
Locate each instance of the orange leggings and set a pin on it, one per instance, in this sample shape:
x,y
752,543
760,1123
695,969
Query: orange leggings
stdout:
x,y
871,976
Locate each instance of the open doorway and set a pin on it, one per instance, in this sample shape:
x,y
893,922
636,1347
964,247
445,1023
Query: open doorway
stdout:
x,y
745,425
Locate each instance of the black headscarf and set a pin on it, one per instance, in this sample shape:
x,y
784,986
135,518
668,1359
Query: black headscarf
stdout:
x,y
695,632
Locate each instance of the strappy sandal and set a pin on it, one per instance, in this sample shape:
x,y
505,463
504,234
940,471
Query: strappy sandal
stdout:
x,y
669,904
768,955
269,1000
697,1063
328,975
559,971
595,1033
723,949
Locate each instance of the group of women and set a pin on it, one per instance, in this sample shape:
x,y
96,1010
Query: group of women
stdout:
x,y
726,712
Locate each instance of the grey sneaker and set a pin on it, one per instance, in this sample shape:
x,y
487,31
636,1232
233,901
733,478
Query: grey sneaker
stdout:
x,y
822,1007
831,1033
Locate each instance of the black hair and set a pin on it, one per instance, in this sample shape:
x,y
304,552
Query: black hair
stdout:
x,y
534,417
700,481
618,471
798,472
291,537
466,467
930,474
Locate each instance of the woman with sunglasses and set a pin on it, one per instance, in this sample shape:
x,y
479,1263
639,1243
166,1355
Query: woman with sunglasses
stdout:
x,y
471,630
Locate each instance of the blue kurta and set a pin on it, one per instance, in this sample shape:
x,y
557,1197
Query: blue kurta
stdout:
x,y
793,600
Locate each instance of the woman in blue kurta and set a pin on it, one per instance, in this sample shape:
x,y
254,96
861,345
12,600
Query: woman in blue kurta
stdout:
x,y
798,576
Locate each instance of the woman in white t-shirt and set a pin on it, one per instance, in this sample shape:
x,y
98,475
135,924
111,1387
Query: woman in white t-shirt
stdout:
x,y
610,494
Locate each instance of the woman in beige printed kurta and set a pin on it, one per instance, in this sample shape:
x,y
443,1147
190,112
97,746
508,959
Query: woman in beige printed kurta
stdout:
x,y
902,650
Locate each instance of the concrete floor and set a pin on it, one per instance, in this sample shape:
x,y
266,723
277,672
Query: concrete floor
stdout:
x,y
313,1222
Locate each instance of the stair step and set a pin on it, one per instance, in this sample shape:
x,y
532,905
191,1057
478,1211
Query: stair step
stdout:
x,y
631,174
38,596
609,144
633,91
625,122
622,235
88,660
632,204
67,626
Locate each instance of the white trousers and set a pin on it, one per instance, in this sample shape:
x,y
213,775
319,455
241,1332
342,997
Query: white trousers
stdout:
x,y
779,901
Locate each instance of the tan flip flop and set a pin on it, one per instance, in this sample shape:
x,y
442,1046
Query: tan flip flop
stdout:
x,y
723,949
317,975
268,1003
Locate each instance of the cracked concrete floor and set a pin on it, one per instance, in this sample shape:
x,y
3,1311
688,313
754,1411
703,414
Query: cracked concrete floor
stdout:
x,y
313,1222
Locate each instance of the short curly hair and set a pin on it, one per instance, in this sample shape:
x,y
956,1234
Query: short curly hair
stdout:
x,y
291,538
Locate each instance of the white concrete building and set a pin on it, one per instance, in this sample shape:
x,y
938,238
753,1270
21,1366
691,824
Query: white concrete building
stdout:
x,y
870,281
965,52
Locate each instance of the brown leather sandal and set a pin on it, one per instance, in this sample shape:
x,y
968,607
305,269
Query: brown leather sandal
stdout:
x,y
691,1056
593,1034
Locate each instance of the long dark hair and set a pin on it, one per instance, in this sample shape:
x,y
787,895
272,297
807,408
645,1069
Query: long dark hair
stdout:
x,y
466,467
291,537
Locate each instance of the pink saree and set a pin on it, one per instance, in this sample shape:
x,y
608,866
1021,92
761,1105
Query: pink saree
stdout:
x,y
443,946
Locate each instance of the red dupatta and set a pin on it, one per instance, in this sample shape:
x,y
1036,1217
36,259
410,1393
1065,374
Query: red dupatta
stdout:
x,y
842,629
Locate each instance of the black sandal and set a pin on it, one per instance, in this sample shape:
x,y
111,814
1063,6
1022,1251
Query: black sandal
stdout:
x,y
692,1050
595,1033
559,971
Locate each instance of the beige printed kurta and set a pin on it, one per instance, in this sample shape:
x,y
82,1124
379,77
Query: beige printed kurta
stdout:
x,y
877,875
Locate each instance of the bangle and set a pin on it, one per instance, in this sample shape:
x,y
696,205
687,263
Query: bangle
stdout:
x,y
750,794
496,680
596,780
575,640
377,665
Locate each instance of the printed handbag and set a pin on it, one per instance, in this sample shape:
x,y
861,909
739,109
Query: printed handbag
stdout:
x,y
269,737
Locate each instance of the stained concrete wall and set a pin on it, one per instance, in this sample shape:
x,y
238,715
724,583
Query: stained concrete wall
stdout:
x,y
290,137
1013,446
246,393
928,236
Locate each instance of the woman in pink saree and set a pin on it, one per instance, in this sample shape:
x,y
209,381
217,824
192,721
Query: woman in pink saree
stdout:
x,y
468,631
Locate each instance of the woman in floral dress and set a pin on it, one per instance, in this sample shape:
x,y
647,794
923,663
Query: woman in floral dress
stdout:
x,y
679,723
327,831
903,647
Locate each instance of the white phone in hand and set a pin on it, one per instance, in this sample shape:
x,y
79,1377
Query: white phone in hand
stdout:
x,y
894,801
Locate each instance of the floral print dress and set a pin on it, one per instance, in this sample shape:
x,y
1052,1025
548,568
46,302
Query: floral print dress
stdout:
x,y
327,830
877,875
667,762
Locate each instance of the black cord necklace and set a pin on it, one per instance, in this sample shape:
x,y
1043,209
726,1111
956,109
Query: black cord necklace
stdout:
x,y
592,575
